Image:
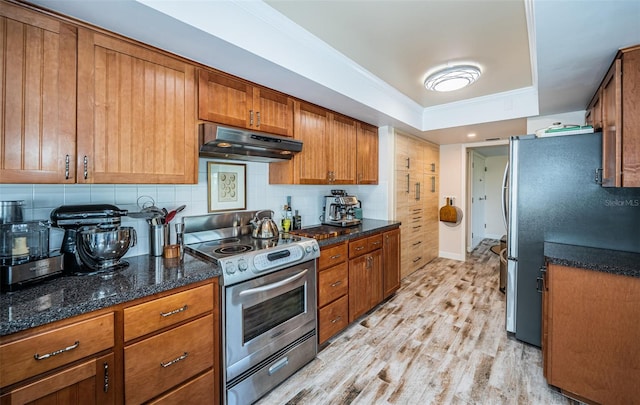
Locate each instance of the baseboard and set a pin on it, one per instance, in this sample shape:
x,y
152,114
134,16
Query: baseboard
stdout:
x,y
452,256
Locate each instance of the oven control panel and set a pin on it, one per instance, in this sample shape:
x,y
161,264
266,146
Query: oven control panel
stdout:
x,y
248,265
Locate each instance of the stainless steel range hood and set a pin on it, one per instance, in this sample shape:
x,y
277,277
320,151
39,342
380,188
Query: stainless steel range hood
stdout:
x,y
239,144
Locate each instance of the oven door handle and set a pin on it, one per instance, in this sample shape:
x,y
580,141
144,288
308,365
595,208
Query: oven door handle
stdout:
x,y
273,286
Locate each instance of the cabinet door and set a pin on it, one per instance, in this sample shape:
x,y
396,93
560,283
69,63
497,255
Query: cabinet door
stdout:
x,y
273,112
312,128
631,119
224,99
341,150
391,262
611,117
91,382
136,114
367,154
38,91
365,283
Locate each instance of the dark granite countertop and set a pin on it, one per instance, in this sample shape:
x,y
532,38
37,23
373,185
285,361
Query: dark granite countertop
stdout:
x,y
608,261
68,296
366,228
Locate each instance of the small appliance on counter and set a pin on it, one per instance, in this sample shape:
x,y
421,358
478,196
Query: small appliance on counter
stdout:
x,y
93,238
341,209
24,254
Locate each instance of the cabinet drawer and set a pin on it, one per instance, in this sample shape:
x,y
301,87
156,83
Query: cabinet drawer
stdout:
x,y
332,256
374,242
333,283
55,348
161,362
365,245
145,318
333,318
196,391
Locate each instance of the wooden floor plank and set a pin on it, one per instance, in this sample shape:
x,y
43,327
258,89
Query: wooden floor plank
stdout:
x,y
439,340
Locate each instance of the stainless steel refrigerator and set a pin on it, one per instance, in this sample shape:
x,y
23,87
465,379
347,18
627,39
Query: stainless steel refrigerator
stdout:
x,y
553,196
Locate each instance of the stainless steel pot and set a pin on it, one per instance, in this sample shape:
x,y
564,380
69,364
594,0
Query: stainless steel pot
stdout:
x,y
10,211
264,228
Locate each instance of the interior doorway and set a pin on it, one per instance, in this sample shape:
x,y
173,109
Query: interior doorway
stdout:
x,y
485,170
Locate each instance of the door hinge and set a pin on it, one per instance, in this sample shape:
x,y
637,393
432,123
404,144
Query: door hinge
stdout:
x,y
598,176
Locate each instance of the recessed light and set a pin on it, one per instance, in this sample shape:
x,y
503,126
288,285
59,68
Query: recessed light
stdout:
x,y
471,135
452,78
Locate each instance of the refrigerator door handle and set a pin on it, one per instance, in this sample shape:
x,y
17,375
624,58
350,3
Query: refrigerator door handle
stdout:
x,y
505,195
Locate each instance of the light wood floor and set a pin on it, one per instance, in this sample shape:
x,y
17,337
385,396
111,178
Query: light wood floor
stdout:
x,y
440,340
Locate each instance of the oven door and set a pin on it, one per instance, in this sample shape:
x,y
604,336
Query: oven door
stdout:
x,y
265,314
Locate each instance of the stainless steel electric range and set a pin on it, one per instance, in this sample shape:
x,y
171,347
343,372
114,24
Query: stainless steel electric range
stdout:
x,y
268,301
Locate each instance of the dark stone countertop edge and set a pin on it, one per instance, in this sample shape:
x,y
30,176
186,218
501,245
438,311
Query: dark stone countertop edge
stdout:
x,y
198,271
604,260
368,227
195,271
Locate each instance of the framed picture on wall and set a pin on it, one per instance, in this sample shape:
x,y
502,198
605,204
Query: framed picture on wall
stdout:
x,y
226,186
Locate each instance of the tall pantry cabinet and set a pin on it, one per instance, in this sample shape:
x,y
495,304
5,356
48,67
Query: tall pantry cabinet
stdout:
x,y
416,192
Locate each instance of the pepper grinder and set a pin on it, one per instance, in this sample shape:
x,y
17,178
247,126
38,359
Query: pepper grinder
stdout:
x,y
180,238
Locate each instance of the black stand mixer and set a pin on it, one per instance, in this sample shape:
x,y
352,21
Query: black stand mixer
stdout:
x,y
93,238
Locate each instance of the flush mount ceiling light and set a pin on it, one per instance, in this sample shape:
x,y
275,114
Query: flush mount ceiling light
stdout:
x,y
452,78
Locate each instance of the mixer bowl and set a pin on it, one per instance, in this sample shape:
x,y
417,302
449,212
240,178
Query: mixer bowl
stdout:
x,y
103,248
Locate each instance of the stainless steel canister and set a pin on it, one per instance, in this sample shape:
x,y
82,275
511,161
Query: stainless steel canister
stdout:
x,y
158,238
10,211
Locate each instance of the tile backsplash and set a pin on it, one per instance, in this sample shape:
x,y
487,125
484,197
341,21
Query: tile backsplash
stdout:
x,y
41,199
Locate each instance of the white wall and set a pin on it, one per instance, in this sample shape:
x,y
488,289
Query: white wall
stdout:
x,y
41,199
452,164
570,118
493,206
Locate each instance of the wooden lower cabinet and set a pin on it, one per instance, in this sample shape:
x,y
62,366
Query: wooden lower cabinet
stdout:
x,y
365,283
196,391
333,318
164,349
161,362
333,287
391,265
590,334
83,384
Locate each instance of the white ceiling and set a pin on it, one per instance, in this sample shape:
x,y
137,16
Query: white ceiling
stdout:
x,y
368,58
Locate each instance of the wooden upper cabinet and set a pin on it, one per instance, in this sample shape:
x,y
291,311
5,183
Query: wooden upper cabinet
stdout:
x,y
340,154
136,113
38,91
312,127
225,99
367,154
615,108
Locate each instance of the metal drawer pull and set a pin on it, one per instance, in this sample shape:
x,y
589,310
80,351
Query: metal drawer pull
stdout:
x,y
338,319
417,243
105,386
66,167
258,116
86,167
250,118
335,256
376,243
279,364
359,248
417,260
417,227
337,283
66,349
174,361
175,311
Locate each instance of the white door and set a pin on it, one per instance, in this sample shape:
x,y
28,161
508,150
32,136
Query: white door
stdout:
x,y
478,198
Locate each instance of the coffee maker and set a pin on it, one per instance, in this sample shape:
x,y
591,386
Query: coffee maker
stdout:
x,y
25,257
93,238
341,209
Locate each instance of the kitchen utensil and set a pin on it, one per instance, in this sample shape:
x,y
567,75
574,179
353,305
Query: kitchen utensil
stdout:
x,y
158,238
448,213
11,211
264,228
24,241
103,248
